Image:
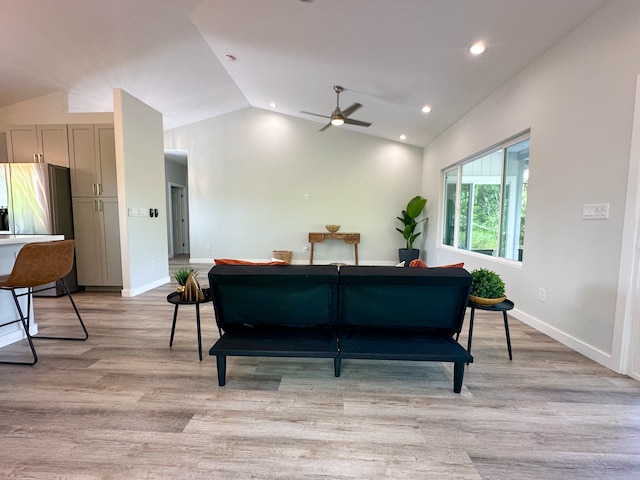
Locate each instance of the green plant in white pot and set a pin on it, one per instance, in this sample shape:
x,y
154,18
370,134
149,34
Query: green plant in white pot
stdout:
x,y
409,215
487,288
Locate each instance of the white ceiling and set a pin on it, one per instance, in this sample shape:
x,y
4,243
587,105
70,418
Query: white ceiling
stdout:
x,y
391,56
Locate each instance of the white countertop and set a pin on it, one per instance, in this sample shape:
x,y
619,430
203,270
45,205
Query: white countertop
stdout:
x,y
22,239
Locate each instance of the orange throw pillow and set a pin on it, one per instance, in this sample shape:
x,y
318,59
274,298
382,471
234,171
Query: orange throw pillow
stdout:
x,y
452,265
417,263
420,264
232,261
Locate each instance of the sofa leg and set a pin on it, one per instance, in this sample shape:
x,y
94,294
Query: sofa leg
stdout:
x,y
458,374
337,362
221,362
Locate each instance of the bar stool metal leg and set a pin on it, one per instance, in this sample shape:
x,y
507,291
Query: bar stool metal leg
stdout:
x,y
25,325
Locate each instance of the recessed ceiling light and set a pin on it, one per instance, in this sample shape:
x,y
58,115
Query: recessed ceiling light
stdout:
x,y
426,109
477,48
403,137
273,105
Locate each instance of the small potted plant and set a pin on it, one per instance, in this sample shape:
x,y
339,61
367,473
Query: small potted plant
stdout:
x,y
487,288
182,275
414,209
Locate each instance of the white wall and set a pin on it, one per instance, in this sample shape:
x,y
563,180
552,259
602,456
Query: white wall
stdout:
x,y
248,174
48,109
141,184
578,100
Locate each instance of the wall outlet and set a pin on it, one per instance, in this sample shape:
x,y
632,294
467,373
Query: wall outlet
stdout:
x,y
542,294
208,248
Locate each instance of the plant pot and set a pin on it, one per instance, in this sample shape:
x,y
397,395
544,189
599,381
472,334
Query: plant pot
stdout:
x,y
407,254
486,301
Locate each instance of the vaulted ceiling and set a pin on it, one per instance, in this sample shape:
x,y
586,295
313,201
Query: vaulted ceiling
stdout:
x,y
393,57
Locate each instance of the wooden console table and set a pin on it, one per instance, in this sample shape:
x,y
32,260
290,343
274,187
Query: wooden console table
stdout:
x,y
353,238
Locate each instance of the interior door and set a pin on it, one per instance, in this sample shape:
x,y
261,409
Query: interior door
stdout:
x,y
177,220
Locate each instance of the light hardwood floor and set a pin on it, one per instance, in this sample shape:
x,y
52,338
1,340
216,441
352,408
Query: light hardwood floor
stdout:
x,y
122,405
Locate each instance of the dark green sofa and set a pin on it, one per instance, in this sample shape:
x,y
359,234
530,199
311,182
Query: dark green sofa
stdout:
x,y
378,313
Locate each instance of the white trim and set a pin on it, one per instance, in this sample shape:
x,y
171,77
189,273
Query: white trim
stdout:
x,y
578,345
628,299
146,287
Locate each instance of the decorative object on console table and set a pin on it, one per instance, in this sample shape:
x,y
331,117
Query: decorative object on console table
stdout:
x,y
319,237
332,228
487,288
409,215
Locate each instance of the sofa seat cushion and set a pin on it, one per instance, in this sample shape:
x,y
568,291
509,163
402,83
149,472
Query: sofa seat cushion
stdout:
x,y
277,342
399,345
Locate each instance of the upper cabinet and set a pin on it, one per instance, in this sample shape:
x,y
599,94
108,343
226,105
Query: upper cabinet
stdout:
x,y
37,144
92,160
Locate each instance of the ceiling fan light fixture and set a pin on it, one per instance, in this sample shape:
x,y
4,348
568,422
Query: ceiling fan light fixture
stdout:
x,y
337,120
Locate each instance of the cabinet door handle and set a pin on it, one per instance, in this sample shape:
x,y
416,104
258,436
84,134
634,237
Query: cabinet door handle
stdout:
x,y
99,205
99,188
95,205
35,158
41,158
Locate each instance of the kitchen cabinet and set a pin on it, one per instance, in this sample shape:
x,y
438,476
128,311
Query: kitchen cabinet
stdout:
x,y
37,144
97,236
92,159
94,190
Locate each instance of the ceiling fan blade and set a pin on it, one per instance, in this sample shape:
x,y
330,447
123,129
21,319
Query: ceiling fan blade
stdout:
x,y
316,114
325,127
360,123
351,109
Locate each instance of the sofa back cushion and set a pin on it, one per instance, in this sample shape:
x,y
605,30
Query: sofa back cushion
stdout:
x,y
249,296
421,299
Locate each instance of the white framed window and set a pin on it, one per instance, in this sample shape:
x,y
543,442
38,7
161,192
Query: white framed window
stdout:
x,y
485,200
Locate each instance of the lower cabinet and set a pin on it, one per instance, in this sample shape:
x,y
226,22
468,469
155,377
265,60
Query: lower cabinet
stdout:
x,y
97,236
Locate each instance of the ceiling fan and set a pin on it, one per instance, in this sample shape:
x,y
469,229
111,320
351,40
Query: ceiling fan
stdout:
x,y
340,117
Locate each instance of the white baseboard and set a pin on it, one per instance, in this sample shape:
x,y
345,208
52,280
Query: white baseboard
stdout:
x,y
579,346
145,288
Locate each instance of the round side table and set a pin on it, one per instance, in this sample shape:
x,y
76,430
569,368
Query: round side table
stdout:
x,y
174,298
503,307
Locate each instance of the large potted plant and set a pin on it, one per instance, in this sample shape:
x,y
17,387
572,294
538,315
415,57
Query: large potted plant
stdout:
x,y
487,288
409,223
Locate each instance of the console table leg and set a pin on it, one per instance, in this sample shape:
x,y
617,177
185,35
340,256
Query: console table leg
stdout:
x,y
337,362
311,254
355,249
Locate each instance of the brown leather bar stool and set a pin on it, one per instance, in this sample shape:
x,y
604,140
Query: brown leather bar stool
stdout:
x,y
38,264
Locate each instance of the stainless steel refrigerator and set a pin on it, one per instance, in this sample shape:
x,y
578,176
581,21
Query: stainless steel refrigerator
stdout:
x,y
35,199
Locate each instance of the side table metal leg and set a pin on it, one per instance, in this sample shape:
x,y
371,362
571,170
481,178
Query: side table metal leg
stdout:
x,y
198,327
173,325
506,330
473,311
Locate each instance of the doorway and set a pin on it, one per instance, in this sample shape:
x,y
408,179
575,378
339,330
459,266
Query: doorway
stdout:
x,y
178,224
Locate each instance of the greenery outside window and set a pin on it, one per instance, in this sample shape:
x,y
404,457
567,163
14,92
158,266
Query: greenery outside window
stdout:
x,y
485,200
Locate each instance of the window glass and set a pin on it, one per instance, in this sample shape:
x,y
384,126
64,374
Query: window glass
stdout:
x,y
485,201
